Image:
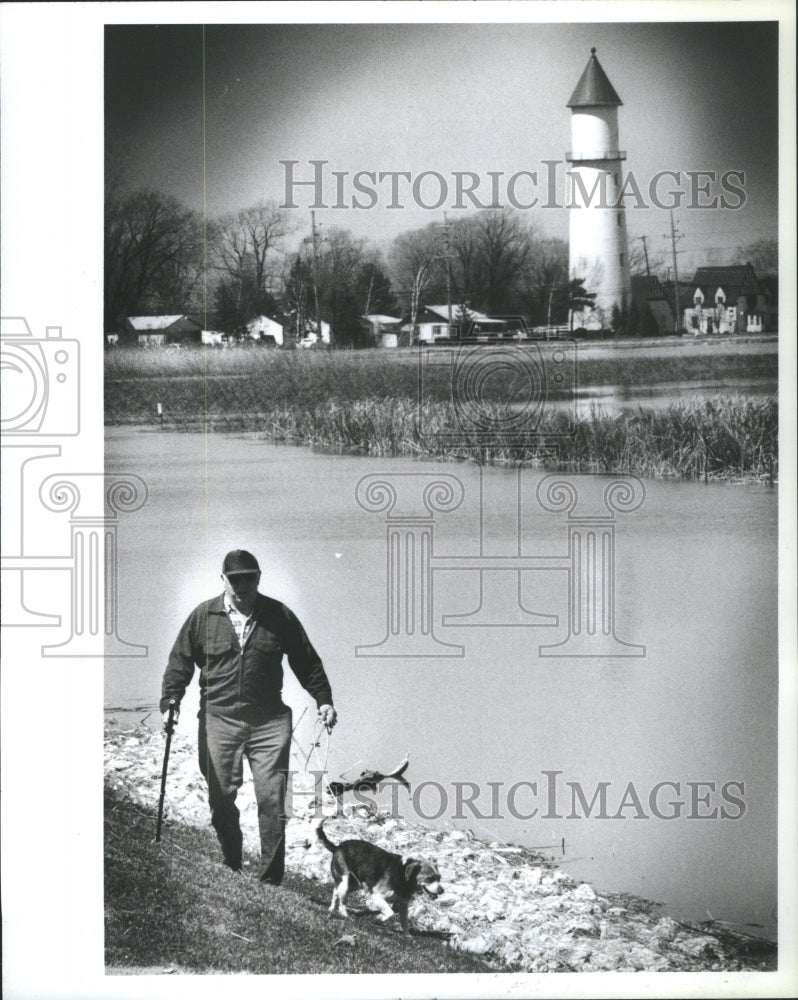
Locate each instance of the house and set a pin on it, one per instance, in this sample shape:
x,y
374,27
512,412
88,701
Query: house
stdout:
x,y
266,331
311,336
432,324
155,331
647,290
212,338
727,300
384,330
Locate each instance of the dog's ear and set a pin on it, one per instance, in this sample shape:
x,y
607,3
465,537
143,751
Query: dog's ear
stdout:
x,y
412,868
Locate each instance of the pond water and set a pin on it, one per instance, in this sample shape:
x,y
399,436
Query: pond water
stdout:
x,y
680,739
613,399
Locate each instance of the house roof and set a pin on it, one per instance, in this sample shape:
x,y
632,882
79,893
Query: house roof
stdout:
x,y
143,323
380,318
263,318
647,286
735,280
473,315
594,89
662,312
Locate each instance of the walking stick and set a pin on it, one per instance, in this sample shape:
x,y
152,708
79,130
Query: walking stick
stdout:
x,y
170,725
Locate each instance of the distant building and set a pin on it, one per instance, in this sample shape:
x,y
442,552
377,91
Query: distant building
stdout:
x,y
212,338
384,330
647,290
266,330
311,337
728,300
432,324
155,331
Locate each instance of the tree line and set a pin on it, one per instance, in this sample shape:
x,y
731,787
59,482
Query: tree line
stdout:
x,y
162,258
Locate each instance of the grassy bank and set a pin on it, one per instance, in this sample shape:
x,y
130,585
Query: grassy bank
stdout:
x,y
173,907
369,403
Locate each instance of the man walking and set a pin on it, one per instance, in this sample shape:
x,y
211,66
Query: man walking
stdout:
x,y
238,641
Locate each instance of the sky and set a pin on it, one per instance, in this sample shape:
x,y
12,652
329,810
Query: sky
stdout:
x,y
207,114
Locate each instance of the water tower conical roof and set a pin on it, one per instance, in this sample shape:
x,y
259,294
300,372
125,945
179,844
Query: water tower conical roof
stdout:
x,y
594,89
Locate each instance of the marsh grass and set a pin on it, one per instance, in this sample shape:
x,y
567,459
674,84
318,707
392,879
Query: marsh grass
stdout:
x,y
368,403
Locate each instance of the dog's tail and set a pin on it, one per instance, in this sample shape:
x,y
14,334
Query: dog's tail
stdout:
x,y
323,836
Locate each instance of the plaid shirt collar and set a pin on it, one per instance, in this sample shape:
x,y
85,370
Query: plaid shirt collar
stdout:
x,y
242,624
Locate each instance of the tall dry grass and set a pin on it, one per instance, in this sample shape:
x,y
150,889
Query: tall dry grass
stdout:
x,y
368,403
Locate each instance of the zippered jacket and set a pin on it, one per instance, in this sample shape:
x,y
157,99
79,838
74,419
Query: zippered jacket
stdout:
x,y
233,680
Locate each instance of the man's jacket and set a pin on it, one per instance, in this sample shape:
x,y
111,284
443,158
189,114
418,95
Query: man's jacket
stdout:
x,y
233,679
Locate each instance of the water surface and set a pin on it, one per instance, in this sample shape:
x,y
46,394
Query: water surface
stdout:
x,y
695,584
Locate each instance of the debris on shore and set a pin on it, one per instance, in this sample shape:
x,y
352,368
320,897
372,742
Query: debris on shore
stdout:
x,y
505,903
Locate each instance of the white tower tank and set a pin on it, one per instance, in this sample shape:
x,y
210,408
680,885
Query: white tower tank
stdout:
x,y
598,244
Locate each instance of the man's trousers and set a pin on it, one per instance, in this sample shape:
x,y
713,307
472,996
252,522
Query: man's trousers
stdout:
x,y
266,742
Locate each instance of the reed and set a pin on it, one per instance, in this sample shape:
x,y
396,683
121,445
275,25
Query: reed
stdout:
x,y
238,379
368,403
715,439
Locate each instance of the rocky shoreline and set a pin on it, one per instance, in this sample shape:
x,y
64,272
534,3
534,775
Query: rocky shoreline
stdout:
x,y
507,904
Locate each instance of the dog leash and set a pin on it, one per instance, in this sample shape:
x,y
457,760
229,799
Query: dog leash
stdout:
x,y
316,746
322,727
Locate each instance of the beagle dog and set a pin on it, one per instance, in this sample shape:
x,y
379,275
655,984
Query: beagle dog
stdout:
x,y
391,881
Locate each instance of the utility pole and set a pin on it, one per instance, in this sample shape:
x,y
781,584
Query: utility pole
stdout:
x,y
645,252
447,257
548,313
674,235
448,272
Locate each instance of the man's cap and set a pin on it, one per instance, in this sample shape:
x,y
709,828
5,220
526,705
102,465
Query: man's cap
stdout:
x,y
240,561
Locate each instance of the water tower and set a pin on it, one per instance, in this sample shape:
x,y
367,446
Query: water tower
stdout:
x,y
598,245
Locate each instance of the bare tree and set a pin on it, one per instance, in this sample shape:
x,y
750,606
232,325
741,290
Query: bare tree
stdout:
x,y
415,261
763,255
247,242
642,259
492,250
247,254
544,281
507,240
153,254
342,259
374,285
336,284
